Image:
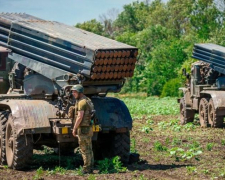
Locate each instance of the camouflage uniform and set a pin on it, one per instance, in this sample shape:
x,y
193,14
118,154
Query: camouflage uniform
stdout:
x,y
85,132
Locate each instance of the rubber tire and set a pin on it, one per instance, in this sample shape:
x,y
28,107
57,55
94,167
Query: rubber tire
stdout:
x,y
214,120
203,112
121,146
3,119
186,115
21,154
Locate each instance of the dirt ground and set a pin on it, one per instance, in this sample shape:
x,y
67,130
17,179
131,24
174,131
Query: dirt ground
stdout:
x,y
154,139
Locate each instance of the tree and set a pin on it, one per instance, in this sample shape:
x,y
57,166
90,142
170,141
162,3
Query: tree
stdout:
x,y
178,16
91,26
164,34
133,17
107,20
206,18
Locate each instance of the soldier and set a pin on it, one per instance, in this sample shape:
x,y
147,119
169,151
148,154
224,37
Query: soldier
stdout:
x,y
82,126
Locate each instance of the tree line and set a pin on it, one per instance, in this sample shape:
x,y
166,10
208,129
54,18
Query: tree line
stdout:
x,y
165,34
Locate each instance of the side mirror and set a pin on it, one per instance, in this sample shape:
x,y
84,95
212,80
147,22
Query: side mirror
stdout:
x,y
184,71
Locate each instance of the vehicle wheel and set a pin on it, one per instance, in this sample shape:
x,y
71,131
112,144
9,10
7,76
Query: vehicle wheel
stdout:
x,y
3,119
186,115
214,119
19,148
203,112
121,146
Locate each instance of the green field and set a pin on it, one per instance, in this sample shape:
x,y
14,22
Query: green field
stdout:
x,y
140,107
167,149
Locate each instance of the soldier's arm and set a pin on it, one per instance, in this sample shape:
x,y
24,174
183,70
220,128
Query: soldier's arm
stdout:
x,y
81,108
78,120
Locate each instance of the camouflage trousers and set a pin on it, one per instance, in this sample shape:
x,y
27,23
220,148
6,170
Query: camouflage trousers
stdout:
x,y
85,142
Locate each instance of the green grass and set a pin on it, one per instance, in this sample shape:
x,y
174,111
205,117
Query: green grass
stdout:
x,y
140,107
165,148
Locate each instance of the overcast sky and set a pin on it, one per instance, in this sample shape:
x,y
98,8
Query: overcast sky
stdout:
x,y
67,11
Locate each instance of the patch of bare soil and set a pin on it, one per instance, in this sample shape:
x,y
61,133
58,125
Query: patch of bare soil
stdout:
x,y
153,164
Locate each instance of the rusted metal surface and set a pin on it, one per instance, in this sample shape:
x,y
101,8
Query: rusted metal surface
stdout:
x,y
39,116
31,114
38,84
56,30
55,50
218,98
62,46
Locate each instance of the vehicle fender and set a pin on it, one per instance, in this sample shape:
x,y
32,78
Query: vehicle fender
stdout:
x,y
30,114
187,96
112,113
218,98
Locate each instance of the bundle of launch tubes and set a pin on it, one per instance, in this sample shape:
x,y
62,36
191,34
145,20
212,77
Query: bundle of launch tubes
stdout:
x,y
66,47
114,64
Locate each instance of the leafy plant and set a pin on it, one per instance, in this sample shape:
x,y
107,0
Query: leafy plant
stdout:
x,y
173,122
194,144
133,146
142,177
113,165
91,177
51,172
146,129
176,141
223,142
79,171
209,146
60,170
167,140
205,171
174,125
150,122
159,147
222,173
176,128
5,167
191,169
181,154
189,126
162,125
39,174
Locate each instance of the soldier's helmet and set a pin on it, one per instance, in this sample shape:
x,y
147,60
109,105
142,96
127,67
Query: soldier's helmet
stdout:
x,y
79,88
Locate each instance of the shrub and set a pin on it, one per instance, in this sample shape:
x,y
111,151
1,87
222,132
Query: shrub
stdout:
x,y
171,88
113,165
